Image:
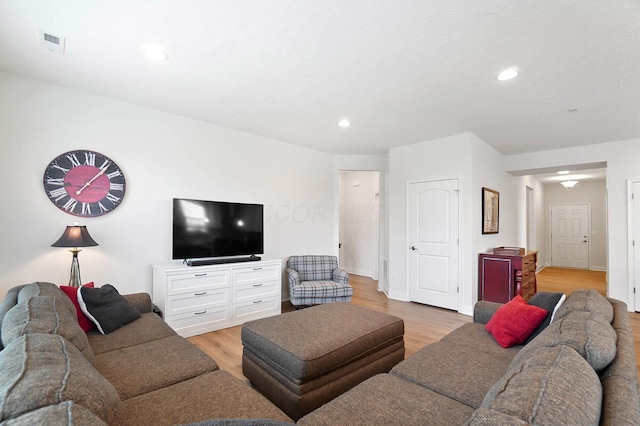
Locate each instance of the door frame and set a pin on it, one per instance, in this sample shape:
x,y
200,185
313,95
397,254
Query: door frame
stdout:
x,y
550,239
408,233
632,273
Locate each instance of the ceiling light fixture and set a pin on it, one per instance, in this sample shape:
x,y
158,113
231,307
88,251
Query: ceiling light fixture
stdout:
x,y
563,172
344,123
155,53
569,183
508,74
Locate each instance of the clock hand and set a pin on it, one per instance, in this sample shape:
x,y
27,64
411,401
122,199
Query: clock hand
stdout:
x,y
100,173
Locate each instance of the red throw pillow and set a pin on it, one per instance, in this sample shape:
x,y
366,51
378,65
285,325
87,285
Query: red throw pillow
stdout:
x,y
72,292
514,321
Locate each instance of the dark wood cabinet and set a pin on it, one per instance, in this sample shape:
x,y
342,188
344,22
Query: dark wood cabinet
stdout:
x,y
503,277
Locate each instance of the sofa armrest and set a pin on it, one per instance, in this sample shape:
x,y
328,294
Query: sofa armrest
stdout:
x,y
483,311
340,276
140,301
294,277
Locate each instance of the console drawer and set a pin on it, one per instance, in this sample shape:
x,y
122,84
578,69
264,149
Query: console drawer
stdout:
x,y
258,308
195,302
197,281
251,292
255,274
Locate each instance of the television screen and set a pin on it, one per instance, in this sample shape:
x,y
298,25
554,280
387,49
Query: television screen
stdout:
x,y
214,228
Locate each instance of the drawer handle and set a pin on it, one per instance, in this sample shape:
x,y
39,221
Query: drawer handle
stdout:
x,y
200,313
258,285
257,301
201,275
200,294
257,269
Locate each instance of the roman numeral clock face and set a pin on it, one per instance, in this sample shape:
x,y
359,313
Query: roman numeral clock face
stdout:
x,y
84,183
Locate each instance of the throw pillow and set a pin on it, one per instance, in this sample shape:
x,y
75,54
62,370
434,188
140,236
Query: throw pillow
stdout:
x,y
549,302
106,308
72,292
514,321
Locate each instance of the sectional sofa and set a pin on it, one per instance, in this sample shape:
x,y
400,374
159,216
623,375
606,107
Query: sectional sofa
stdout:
x,y
581,369
51,372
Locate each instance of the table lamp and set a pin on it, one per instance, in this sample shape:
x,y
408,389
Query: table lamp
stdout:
x,y
75,236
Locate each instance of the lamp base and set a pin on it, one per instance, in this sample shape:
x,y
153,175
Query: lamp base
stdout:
x,y
74,279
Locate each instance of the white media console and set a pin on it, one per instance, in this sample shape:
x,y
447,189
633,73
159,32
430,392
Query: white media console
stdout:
x,y
199,299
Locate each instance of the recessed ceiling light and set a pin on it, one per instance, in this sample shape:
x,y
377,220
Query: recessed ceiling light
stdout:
x,y
508,74
563,172
155,53
344,123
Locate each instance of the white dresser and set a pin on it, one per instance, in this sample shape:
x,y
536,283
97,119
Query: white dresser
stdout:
x,y
199,299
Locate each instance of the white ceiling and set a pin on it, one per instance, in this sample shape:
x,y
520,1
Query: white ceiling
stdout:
x,y
402,71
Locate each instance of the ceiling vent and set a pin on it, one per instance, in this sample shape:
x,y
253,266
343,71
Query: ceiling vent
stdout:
x,y
52,42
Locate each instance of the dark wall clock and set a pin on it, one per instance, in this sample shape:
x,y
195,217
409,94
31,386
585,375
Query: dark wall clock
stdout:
x,y
84,183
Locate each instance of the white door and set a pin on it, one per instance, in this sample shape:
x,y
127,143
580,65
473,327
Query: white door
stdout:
x,y
570,230
636,242
433,243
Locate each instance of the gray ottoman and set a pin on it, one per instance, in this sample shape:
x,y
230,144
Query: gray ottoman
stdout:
x,y
303,359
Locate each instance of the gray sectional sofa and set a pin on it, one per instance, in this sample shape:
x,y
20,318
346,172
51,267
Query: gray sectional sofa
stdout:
x,y
52,372
580,370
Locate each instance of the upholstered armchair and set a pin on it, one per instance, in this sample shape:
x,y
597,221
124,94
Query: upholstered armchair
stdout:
x,y
315,280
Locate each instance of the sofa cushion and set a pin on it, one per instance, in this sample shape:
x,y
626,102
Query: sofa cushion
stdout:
x,y
389,400
44,314
444,368
65,413
586,332
548,301
514,322
106,308
475,338
9,301
217,394
38,370
149,327
585,301
486,417
553,386
45,289
143,368
72,293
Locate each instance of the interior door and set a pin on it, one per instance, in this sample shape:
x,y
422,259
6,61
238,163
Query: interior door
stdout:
x,y
433,238
570,230
635,200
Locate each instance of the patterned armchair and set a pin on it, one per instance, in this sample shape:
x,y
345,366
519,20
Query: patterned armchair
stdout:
x,y
314,280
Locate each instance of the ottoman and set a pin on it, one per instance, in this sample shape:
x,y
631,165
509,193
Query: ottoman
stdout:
x,y
303,359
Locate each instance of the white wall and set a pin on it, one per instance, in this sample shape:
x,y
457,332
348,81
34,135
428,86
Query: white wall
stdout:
x,y
593,193
359,192
163,156
623,162
475,164
539,235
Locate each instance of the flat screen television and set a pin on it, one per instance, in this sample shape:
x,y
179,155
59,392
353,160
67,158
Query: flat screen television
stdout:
x,y
214,229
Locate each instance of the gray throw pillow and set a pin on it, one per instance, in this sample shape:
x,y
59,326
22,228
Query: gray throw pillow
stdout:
x,y
106,308
547,301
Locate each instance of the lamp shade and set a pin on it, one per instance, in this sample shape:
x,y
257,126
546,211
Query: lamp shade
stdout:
x,y
75,236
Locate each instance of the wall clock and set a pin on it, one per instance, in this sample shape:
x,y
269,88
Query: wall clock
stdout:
x,y
84,183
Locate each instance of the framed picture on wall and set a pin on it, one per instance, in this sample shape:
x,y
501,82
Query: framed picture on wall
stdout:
x,y
490,211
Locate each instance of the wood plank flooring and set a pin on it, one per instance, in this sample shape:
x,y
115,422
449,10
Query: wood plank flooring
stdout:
x,y
423,324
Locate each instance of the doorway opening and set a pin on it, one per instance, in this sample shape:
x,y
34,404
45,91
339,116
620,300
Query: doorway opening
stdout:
x,y
359,222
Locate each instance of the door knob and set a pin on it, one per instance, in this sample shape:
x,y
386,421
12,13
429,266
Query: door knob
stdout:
x,y
414,248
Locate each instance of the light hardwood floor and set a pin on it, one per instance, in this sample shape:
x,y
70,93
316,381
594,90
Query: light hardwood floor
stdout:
x,y
423,324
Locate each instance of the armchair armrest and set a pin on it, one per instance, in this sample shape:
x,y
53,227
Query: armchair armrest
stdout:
x,y
294,277
483,311
340,276
140,301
